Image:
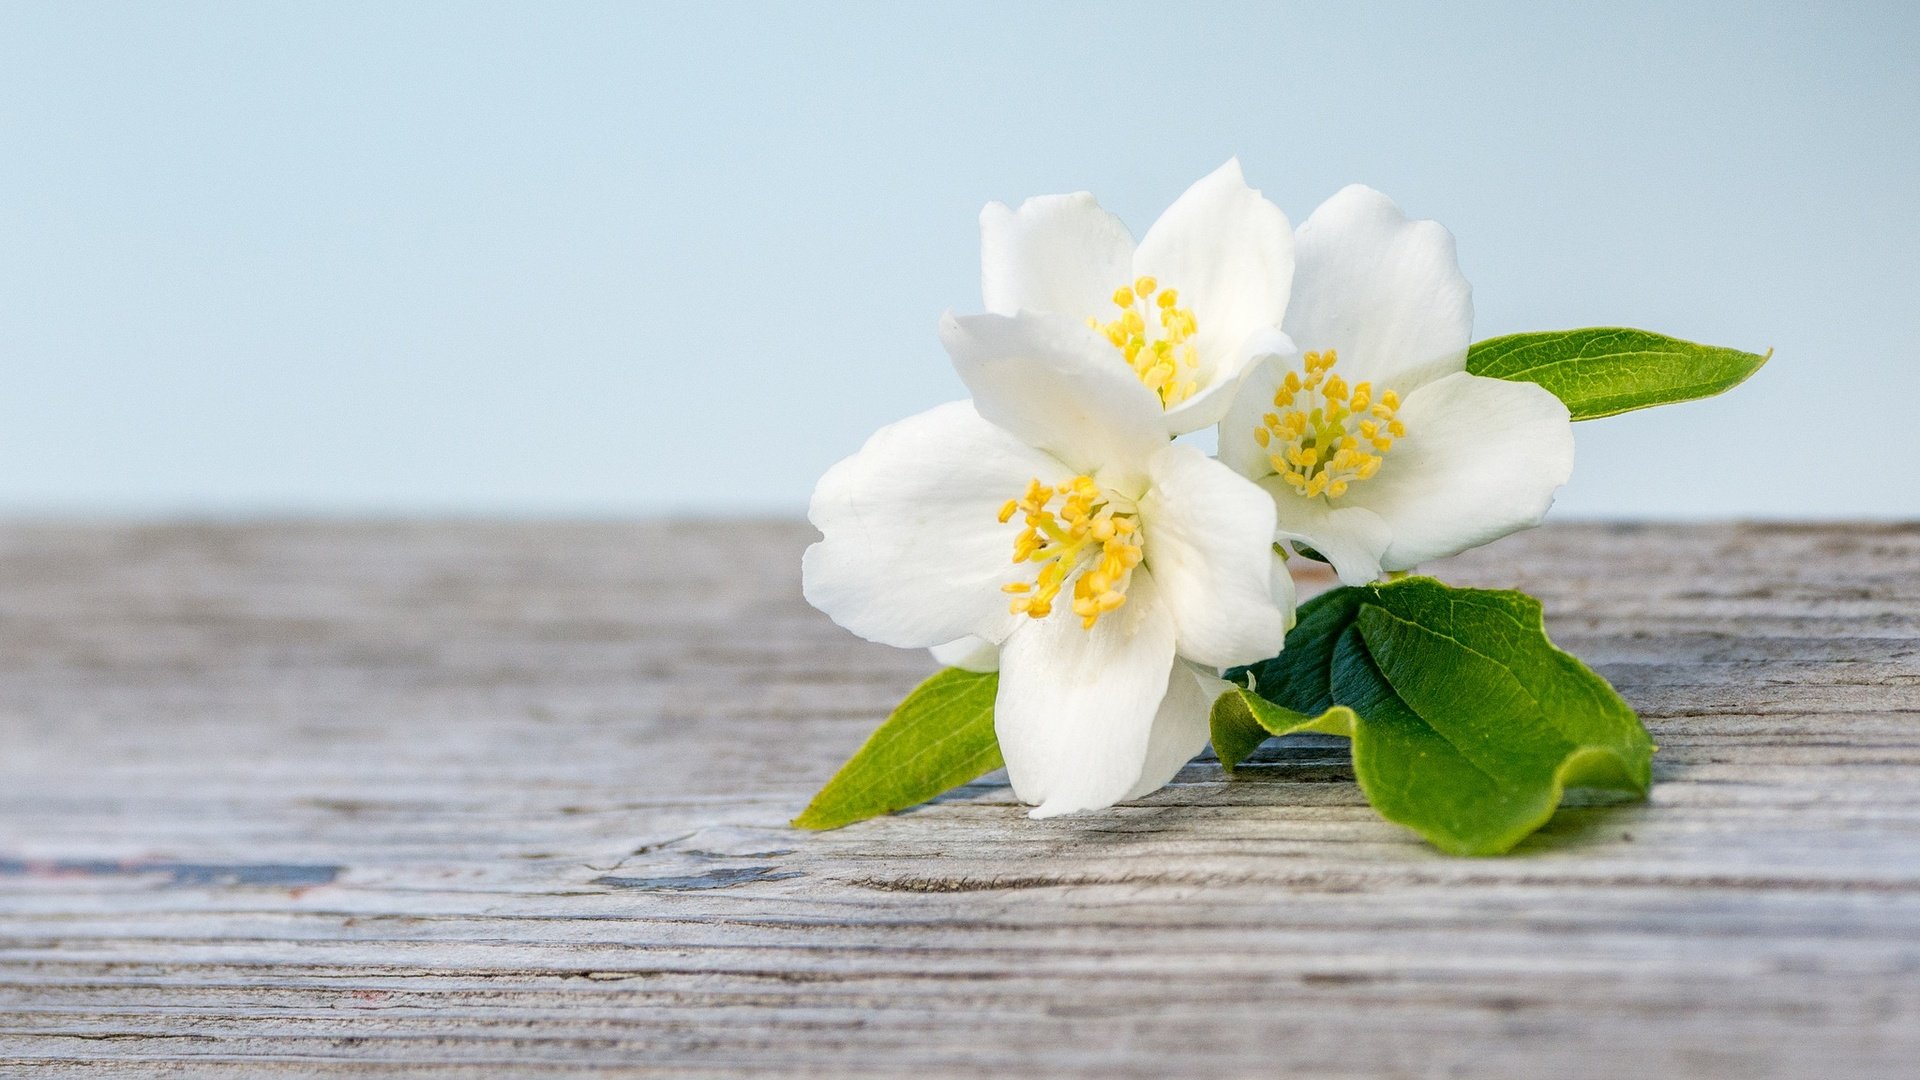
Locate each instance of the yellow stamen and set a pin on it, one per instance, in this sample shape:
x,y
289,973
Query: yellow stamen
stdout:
x,y
1155,336
1087,533
1333,439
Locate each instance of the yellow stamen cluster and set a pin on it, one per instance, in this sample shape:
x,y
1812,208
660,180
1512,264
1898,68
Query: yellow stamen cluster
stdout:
x,y
1324,436
1086,529
1155,334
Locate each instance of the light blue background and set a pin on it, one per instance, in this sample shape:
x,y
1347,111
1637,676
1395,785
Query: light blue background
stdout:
x,y
263,258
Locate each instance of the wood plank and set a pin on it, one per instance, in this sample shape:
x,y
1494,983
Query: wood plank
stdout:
x,y
509,799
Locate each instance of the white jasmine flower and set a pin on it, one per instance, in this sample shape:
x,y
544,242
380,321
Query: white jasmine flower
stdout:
x,y
1187,310
1051,519
1379,450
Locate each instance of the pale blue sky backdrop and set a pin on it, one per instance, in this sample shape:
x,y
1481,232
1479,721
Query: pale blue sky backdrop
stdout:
x,y
626,259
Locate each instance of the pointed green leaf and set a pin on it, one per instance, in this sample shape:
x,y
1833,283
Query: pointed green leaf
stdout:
x,y
1468,723
939,737
1607,370
1242,720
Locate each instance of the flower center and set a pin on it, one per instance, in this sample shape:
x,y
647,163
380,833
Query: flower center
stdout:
x,y
1326,437
1087,529
1154,333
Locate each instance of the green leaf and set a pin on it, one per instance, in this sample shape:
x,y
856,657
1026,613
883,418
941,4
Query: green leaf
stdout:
x,y
1242,720
939,737
1507,630
1607,370
1469,725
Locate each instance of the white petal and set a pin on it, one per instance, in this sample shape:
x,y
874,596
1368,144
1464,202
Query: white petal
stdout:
x,y
1286,595
1217,394
1075,709
1058,386
1353,538
1057,253
1229,252
1384,291
1253,400
1180,728
1481,459
968,654
1210,683
1207,534
914,552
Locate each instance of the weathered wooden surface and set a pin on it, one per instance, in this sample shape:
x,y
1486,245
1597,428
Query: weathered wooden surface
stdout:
x,y
475,800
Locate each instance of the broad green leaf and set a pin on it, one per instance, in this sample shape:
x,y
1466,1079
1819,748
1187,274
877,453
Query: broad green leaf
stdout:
x,y
939,737
1507,629
1469,725
1467,760
1242,720
1607,370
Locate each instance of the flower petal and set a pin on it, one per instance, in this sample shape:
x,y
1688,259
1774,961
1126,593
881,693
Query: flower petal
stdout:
x,y
1057,253
1058,386
1075,710
968,654
1229,252
914,552
1180,727
1217,394
1481,459
1207,535
1286,595
1251,401
1384,291
1352,537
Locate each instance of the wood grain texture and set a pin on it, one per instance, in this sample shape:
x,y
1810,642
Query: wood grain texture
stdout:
x,y
509,800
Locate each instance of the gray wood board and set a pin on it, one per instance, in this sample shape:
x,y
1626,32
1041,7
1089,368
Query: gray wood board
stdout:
x,y
509,799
